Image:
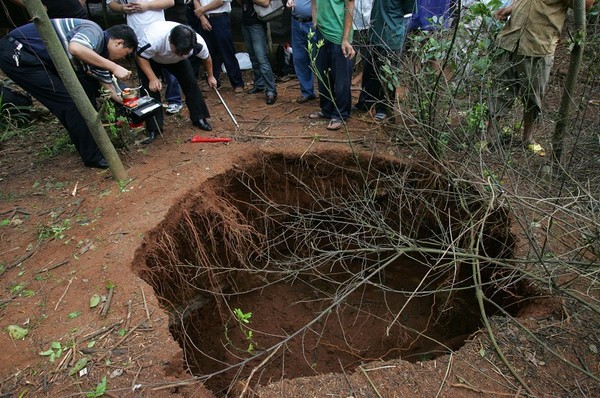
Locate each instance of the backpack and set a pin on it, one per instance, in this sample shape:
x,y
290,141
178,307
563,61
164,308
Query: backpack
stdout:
x,y
270,12
284,60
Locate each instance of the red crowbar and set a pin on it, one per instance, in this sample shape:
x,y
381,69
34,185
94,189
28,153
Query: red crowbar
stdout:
x,y
197,138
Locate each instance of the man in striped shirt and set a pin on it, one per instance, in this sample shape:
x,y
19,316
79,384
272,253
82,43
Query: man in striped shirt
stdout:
x,y
92,52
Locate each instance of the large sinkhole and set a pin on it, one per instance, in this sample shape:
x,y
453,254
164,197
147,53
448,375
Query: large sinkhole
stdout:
x,y
293,266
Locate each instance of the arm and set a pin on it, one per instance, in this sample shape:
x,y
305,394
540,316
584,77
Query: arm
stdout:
x,y
121,8
200,10
503,13
154,82
18,2
89,56
313,10
208,65
347,48
113,93
154,5
262,3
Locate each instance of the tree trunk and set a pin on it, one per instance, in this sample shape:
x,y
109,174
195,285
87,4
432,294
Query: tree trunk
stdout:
x,y
67,75
558,137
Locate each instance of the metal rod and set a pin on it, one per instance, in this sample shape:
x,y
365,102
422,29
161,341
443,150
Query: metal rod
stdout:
x,y
227,108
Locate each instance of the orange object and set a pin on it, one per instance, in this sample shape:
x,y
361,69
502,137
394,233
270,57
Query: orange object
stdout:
x,y
197,138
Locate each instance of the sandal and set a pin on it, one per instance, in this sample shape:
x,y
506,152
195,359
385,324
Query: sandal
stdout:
x,y
536,149
380,117
335,124
317,115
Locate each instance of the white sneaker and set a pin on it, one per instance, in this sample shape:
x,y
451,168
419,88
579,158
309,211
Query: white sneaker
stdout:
x,y
174,108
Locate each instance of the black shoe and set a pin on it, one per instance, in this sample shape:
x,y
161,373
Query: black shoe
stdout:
x,y
360,107
303,99
271,99
99,164
255,90
150,138
203,124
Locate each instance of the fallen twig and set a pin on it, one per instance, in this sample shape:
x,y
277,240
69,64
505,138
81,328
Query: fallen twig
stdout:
x,y
178,384
99,332
121,340
264,361
370,382
128,315
20,260
111,289
145,303
445,376
63,295
52,267
346,377
480,391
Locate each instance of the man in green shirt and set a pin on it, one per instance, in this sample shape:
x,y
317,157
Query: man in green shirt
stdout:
x,y
333,22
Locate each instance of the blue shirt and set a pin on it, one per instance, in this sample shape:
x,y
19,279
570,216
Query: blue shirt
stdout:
x,y
303,9
428,9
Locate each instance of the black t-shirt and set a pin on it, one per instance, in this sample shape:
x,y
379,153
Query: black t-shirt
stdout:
x,y
248,14
65,9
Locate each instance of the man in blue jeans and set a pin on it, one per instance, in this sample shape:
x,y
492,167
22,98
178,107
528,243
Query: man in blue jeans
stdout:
x,y
255,39
211,19
302,24
333,20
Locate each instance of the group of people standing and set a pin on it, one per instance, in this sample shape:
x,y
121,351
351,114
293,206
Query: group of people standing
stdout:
x,y
322,36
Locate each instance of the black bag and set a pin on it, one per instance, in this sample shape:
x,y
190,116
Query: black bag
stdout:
x,y
270,12
284,60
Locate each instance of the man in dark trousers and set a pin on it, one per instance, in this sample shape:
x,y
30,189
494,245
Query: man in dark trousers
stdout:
x,y
211,19
92,52
168,45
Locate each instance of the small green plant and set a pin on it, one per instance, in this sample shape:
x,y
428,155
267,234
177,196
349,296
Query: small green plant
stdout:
x,y
61,144
55,231
55,351
243,318
12,119
117,126
74,314
99,390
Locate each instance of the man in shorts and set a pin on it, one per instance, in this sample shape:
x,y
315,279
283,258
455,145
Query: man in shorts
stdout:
x,y
522,66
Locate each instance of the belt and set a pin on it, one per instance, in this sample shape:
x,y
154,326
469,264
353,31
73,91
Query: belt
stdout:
x,y
216,14
302,20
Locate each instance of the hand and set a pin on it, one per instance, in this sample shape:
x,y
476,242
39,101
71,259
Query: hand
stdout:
x,y
121,73
205,24
129,8
291,4
347,49
212,82
155,85
503,13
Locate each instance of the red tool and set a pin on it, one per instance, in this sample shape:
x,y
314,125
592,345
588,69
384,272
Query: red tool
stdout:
x,y
197,138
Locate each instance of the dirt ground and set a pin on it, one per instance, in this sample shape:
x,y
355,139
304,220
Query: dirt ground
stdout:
x,y
47,283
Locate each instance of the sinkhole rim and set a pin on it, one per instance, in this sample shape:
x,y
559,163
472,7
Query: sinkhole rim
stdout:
x,y
216,195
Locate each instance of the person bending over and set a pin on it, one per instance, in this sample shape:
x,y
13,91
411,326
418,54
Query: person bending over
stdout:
x,y
92,52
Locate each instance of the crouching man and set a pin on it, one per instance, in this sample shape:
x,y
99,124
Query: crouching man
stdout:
x,y
92,51
168,45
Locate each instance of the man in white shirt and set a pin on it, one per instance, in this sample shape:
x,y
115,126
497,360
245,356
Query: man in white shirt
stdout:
x,y
211,19
139,14
169,45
